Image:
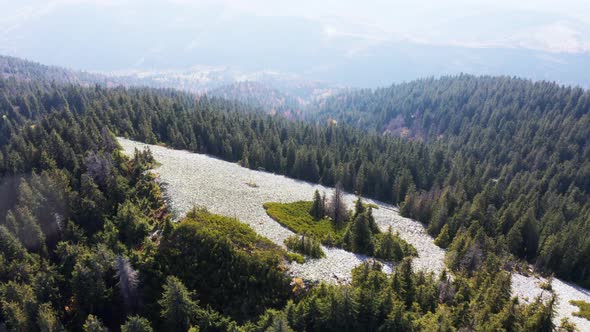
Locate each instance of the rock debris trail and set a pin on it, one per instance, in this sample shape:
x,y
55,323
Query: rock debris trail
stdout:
x,y
193,179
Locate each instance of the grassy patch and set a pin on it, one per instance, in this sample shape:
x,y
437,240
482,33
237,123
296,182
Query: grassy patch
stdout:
x,y
295,257
295,216
584,311
239,235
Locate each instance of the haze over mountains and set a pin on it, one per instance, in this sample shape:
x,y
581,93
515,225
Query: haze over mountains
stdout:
x,y
274,93
195,44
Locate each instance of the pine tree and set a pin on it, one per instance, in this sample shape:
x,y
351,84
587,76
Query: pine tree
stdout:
x,y
47,319
443,239
317,210
362,236
177,306
93,324
136,324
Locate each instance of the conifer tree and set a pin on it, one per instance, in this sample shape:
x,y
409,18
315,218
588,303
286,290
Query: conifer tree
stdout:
x,y
389,248
93,324
317,210
359,207
128,280
443,239
338,210
136,324
362,236
177,306
47,319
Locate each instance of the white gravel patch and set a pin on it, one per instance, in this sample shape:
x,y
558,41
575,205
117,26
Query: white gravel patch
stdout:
x,y
527,288
194,179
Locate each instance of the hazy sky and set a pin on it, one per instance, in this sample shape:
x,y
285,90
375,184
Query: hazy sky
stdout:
x,y
553,25
296,35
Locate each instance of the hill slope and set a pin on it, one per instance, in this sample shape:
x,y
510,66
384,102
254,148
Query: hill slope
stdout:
x,y
520,159
80,227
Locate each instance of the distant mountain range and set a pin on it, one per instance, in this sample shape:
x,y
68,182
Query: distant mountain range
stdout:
x,y
274,92
219,49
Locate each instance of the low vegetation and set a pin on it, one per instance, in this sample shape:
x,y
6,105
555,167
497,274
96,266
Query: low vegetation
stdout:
x,y
391,247
295,216
369,205
252,184
305,245
584,309
335,226
239,235
235,271
294,257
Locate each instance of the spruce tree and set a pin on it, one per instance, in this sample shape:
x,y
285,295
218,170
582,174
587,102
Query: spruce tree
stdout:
x,y
317,210
362,236
136,324
47,319
177,305
359,207
443,239
93,324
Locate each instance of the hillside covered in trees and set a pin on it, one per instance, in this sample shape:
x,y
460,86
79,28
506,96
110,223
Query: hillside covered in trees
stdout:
x,y
519,161
86,240
517,169
263,96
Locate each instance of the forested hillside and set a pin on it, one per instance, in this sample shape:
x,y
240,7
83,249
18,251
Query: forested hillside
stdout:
x,y
27,70
273,93
512,161
21,69
85,236
86,240
519,161
262,96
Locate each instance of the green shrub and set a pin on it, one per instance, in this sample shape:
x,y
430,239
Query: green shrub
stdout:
x,y
296,217
294,257
234,270
305,245
368,205
584,311
391,247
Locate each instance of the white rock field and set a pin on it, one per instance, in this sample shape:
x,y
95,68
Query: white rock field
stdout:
x,y
527,288
193,179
